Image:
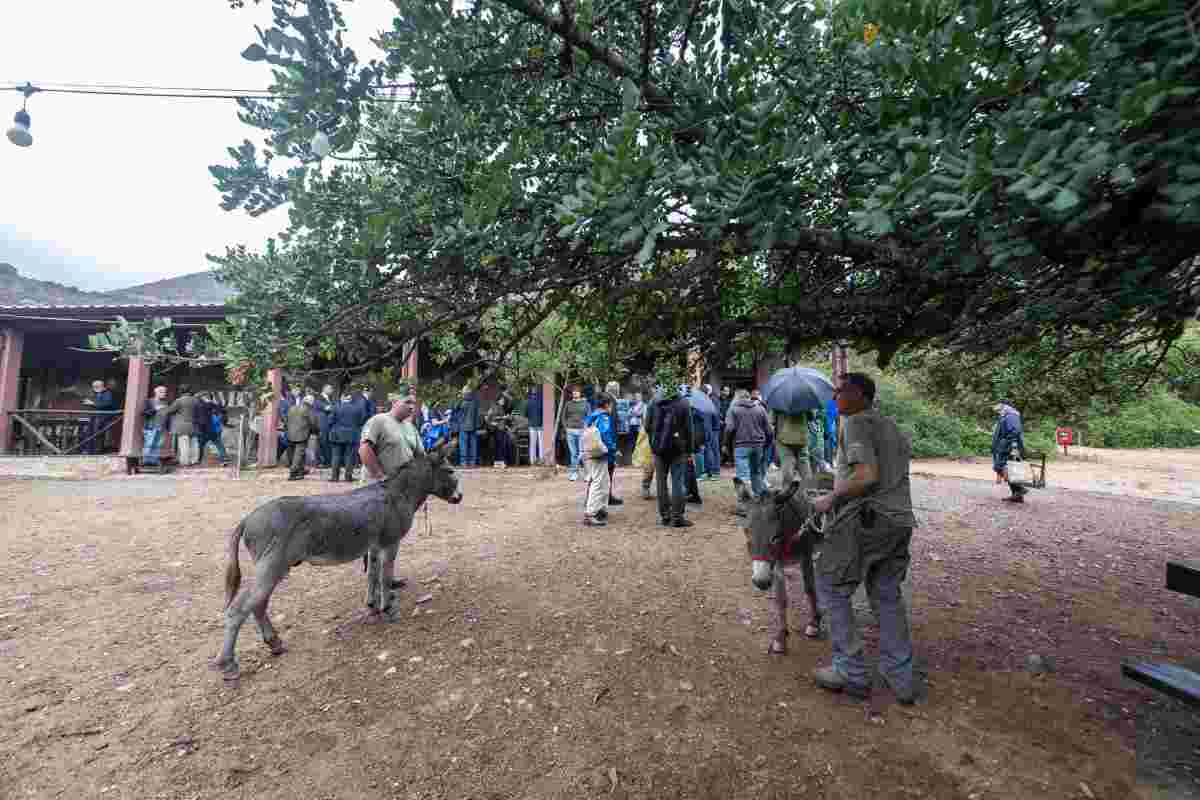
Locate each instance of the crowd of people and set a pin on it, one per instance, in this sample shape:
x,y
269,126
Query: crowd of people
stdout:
x,y
679,437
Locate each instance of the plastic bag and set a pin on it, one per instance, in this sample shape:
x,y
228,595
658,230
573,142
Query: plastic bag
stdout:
x,y
592,443
641,451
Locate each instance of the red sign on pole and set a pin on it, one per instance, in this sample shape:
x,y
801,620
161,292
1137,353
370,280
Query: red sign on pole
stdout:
x,y
1064,436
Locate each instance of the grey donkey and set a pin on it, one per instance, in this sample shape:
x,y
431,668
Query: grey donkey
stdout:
x,y
325,530
783,531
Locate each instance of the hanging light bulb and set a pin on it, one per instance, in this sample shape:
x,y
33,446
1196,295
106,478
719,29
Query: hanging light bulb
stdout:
x,y
320,144
19,134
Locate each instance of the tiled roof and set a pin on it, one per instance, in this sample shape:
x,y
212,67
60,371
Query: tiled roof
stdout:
x,y
108,306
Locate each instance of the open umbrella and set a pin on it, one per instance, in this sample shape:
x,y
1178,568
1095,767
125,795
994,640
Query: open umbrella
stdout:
x,y
797,389
698,400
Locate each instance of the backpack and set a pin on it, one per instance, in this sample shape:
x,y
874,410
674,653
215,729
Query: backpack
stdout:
x,y
592,443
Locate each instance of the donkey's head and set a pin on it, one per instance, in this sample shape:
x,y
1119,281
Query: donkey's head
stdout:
x,y
774,519
445,483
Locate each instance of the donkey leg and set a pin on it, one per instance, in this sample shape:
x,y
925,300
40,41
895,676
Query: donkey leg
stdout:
x,y
374,567
777,612
813,629
387,591
265,628
246,601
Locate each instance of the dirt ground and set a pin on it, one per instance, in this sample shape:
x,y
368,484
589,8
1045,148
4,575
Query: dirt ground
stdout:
x,y
556,661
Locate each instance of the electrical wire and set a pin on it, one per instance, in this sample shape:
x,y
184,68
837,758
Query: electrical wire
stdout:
x,y
200,94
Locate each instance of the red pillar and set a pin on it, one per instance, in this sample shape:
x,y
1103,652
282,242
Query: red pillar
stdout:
x,y
13,342
840,363
409,370
137,393
761,375
268,437
549,418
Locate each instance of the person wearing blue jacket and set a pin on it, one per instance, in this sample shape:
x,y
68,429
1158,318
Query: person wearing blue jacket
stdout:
x,y
596,470
831,430
534,412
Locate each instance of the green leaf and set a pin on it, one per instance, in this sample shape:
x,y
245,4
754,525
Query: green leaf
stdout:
x,y
254,52
1065,200
630,95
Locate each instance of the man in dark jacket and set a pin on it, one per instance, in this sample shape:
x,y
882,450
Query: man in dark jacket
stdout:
x,y
533,410
101,400
324,409
1007,436
302,422
182,413
726,404
671,443
345,427
467,412
748,432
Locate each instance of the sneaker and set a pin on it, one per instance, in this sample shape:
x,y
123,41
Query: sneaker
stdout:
x,y
647,494
592,522
697,500
602,514
573,476
682,522
664,521
1015,498
615,501
830,679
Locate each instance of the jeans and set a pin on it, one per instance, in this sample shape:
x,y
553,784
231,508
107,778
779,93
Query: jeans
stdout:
x,y
468,448
712,454
750,463
884,578
326,449
699,459
574,437
676,468
215,438
151,442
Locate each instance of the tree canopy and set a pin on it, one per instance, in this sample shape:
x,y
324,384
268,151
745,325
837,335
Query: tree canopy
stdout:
x,y
979,174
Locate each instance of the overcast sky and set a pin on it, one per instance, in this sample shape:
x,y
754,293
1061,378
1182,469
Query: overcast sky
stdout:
x,y
115,191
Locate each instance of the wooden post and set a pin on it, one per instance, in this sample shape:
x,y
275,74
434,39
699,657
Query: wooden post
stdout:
x,y
137,394
13,342
549,425
268,435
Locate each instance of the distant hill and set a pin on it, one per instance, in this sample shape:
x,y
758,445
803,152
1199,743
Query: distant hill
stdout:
x,y
199,287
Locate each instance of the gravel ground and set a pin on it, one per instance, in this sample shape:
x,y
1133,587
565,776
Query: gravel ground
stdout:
x,y
558,661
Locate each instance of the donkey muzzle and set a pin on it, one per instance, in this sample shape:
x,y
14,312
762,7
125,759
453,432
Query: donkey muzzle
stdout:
x,y
762,576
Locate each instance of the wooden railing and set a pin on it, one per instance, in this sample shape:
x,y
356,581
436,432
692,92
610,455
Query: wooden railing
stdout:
x,y
60,432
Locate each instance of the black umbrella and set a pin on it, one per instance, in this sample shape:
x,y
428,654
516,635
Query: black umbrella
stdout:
x,y
797,389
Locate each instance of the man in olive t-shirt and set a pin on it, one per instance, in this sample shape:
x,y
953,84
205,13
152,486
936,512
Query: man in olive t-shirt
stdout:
x,y
389,440
867,541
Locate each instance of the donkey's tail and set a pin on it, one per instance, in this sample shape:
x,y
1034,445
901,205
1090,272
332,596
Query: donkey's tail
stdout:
x,y
233,572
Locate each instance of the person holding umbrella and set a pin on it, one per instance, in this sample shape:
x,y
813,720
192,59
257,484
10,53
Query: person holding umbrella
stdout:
x,y
791,439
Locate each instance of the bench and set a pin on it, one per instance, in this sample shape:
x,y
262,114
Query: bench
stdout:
x,y
1170,679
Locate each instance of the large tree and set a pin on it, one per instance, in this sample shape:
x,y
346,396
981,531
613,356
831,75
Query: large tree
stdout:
x,y
976,174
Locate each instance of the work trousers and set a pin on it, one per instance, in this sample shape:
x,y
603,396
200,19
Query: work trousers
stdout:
x,y
793,463
298,451
878,556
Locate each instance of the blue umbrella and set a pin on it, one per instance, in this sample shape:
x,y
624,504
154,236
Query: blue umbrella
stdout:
x,y
797,389
698,400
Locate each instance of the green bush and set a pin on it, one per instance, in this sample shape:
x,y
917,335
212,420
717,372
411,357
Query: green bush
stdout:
x,y
934,432
1160,420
